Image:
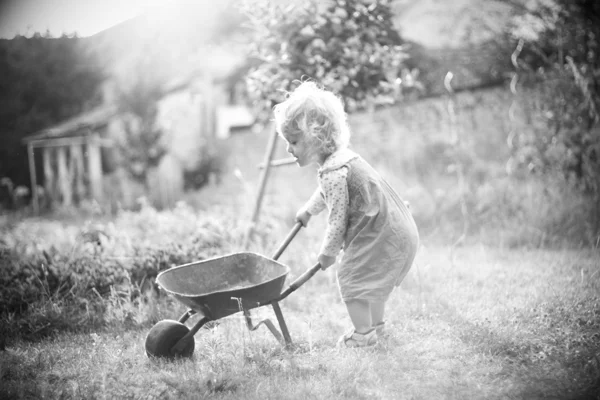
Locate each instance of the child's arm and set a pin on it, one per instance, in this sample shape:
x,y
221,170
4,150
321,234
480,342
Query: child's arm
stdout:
x,y
313,206
335,192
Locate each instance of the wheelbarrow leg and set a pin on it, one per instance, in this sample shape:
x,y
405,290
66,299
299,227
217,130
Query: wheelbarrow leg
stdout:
x,y
186,315
267,322
282,325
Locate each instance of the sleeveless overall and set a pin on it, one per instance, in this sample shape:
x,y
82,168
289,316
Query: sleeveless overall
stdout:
x,y
381,239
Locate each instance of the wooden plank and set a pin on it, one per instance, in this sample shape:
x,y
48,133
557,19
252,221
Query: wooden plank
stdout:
x,y
71,141
86,120
280,162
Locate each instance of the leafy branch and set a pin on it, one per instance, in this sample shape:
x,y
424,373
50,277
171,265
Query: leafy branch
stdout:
x,y
350,47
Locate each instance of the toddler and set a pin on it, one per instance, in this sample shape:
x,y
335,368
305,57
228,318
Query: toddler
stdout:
x,y
367,219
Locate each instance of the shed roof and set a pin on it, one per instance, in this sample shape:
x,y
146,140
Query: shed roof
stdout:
x,y
78,125
84,123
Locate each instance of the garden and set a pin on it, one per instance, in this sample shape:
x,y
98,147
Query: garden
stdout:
x,y
502,301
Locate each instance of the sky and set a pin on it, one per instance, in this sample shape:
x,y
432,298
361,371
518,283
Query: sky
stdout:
x,y
83,17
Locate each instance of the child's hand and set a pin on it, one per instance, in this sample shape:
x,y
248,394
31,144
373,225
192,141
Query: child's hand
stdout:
x,y
326,261
303,216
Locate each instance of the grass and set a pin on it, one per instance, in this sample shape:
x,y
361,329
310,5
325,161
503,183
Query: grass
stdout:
x,y
474,322
505,316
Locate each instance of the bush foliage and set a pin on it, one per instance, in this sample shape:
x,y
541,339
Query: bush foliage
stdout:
x,y
350,47
97,258
557,62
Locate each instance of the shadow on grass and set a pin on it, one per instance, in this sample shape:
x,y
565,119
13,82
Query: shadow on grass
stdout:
x,y
544,368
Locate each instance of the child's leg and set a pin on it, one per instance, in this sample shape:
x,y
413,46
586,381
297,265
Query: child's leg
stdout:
x,y
377,312
360,314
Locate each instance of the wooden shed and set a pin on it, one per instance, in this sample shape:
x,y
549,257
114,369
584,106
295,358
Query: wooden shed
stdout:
x,y
71,158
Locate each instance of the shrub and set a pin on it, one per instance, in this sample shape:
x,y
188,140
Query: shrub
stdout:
x,y
557,60
97,259
350,47
210,168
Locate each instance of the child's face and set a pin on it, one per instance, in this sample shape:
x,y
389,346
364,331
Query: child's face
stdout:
x,y
303,149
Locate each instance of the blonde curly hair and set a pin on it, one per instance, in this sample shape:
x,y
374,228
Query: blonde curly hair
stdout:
x,y
315,113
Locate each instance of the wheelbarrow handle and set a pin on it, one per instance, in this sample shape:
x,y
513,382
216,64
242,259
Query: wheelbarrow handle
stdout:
x,y
301,280
287,240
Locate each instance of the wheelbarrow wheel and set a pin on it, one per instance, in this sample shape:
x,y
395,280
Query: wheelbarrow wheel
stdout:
x,y
164,336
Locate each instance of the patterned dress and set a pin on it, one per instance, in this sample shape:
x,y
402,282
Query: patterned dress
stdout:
x,y
369,221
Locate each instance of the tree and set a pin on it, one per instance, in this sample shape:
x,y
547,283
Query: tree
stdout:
x,y
349,46
558,61
43,81
141,148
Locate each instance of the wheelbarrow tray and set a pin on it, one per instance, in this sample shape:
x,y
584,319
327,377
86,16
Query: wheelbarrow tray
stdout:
x,y
218,287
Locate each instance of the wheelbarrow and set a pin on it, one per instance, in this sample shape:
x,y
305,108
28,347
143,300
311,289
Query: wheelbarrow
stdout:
x,y
219,287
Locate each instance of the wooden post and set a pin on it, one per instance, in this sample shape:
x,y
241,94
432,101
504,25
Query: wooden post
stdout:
x,y
262,185
49,184
209,106
30,155
77,172
64,183
94,169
